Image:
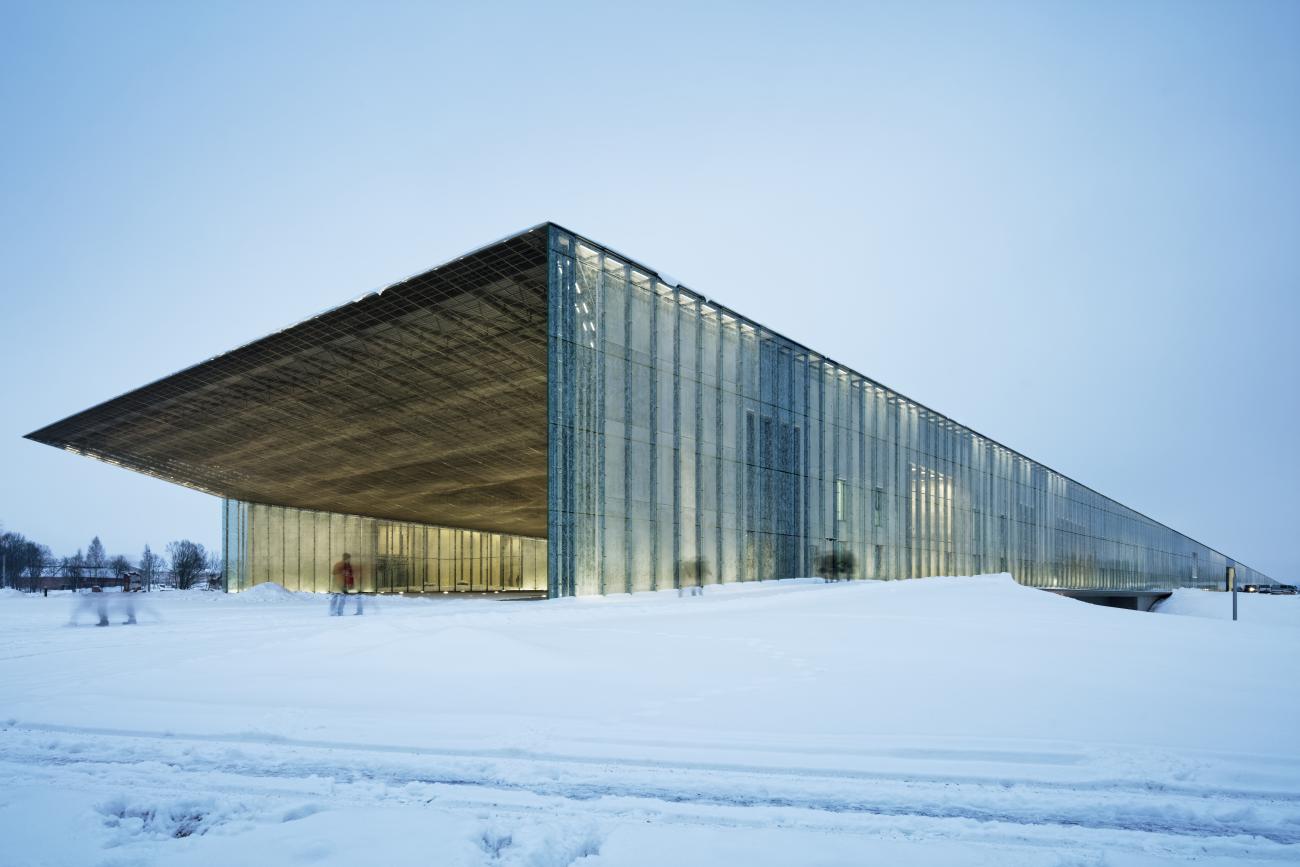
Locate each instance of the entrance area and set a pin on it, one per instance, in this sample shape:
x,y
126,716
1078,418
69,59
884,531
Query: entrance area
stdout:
x,y
1133,600
297,548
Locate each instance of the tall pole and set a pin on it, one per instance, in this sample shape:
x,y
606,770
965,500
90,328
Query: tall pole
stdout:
x,y
1232,585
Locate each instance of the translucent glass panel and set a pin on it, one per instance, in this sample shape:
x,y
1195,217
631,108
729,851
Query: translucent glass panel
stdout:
x,y
689,446
298,548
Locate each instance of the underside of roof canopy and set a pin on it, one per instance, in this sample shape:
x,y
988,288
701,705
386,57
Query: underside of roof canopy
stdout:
x,y
425,402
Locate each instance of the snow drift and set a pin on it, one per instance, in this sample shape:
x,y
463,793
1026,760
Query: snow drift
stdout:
x,y
945,720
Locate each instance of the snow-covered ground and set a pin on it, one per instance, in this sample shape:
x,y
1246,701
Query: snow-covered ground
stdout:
x,y
1252,608
937,721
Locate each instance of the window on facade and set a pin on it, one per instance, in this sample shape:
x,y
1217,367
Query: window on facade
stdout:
x,y
839,499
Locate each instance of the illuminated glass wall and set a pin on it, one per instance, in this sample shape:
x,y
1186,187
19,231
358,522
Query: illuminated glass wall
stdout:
x,y
298,548
689,445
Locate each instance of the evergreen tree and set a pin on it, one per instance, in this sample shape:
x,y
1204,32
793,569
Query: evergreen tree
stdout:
x,y
96,559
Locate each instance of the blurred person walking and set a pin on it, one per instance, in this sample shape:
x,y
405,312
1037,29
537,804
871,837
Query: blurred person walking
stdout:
x,y
345,579
93,603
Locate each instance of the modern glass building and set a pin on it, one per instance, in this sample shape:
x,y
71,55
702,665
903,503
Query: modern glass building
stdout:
x,y
545,414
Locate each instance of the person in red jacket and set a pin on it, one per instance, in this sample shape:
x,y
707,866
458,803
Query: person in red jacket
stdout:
x,y
345,581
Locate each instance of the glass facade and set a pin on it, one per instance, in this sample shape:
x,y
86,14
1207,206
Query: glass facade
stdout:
x,y
298,548
689,445
546,386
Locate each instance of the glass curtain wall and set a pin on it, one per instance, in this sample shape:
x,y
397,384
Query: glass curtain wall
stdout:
x,y
298,548
690,446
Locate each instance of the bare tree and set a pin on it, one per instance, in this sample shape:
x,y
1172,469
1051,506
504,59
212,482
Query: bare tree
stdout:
x,y
215,566
35,559
73,567
11,546
150,565
19,557
188,561
120,565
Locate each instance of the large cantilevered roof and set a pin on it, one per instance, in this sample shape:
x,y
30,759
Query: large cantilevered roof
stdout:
x,y
425,401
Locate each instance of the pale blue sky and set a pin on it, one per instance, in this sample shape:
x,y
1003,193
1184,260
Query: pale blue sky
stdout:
x,y
1072,227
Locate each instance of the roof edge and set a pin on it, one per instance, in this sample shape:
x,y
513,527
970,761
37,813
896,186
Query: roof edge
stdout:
x,y
47,439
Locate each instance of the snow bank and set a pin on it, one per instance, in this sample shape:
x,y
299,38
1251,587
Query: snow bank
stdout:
x,y
273,594
1253,608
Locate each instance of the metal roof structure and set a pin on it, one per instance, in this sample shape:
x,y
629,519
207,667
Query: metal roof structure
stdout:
x,y
425,401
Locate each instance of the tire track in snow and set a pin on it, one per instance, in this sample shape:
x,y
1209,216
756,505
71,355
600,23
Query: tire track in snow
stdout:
x,y
287,797
253,740
1150,809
